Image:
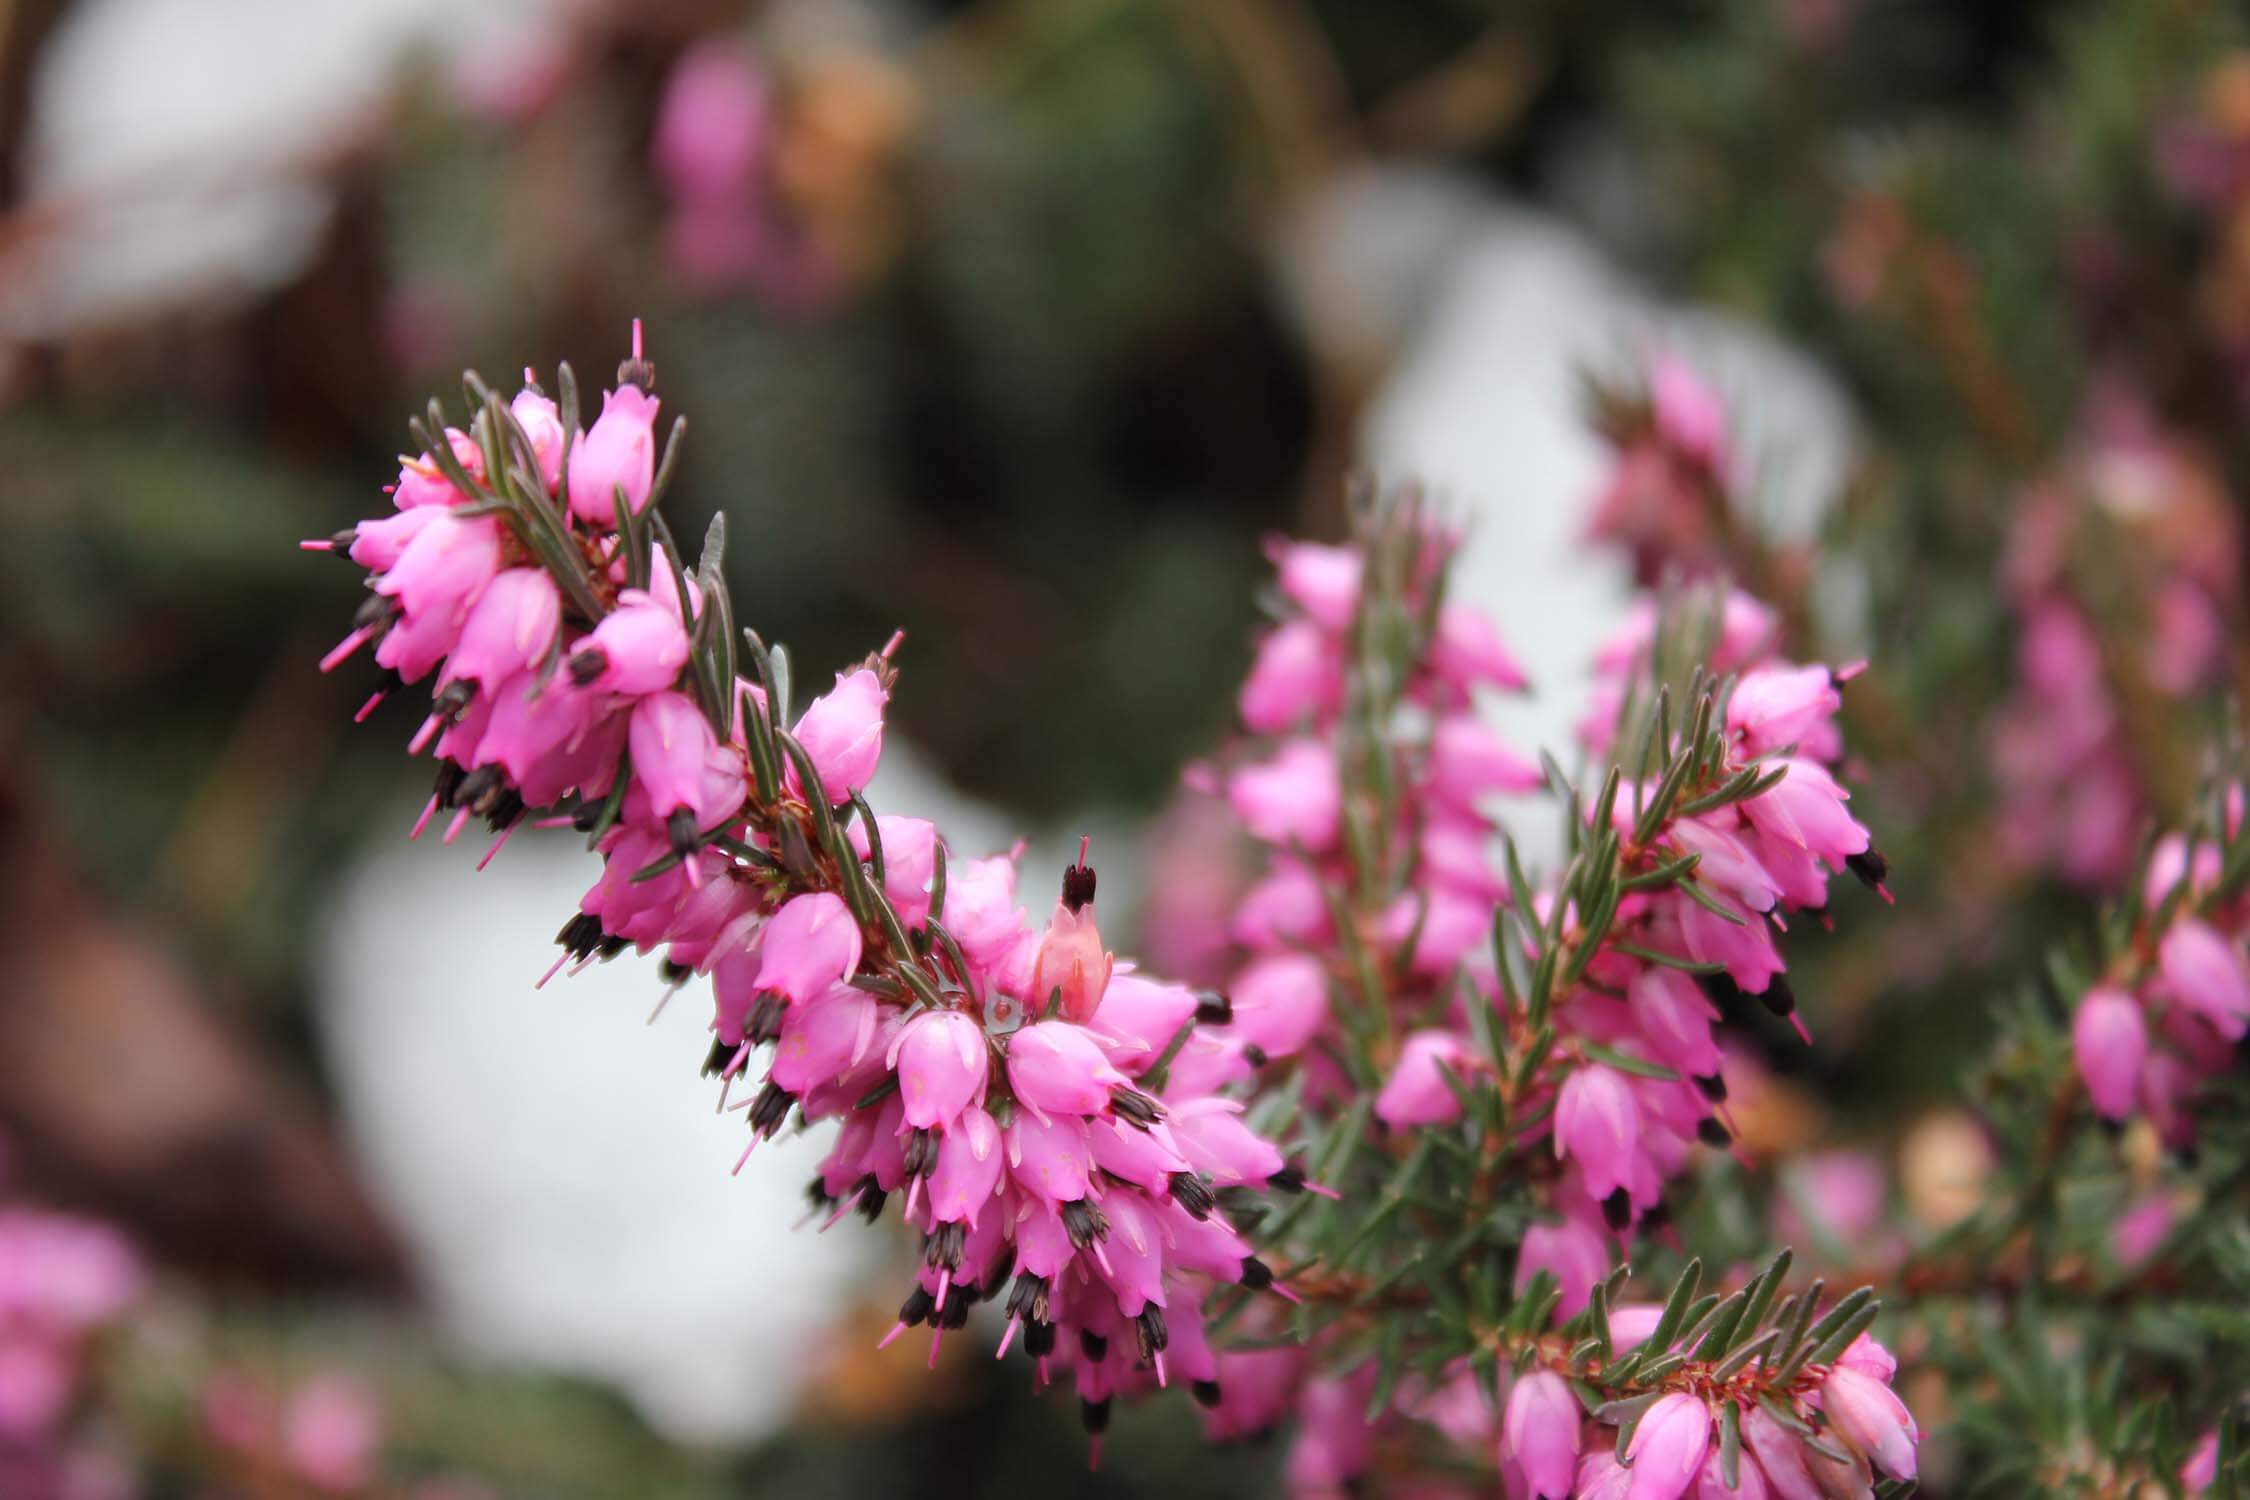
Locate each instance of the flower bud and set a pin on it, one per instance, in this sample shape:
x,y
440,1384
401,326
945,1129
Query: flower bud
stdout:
x,y
968,1167
909,860
2207,975
639,647
842,732
1573,1253
1416,1092
541,421
823,1037
1468,761
1668,1448
1280,1002
942,1062
1071,962
1297,675
509,628
1467,651
1542,1430
617,452
1057,1068
1868,1415
1598,1125
1322,581
2110,1041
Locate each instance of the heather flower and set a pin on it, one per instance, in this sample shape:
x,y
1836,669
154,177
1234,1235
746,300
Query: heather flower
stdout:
x,y
1057,1068
1280,1001
1598,1126
842,732
941,1062
1292,798
1540,1431
1468,761
639,647
1875,1422
1572,1252
1071,966
810,943
617,453
1322,581
535,411
1668,1447
1416,1092
2208,975
1297,675
1468,652
509,630
2110,1042
909,861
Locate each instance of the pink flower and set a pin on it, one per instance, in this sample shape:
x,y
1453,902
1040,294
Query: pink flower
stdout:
x,y
422,483
1071,962
1297,675
909,860
509,629
842,732
1293,798
639,647
1675,1019
617,453
1806,807
1333,1439
942,1061
1416,1092
1570,1251
2207,975
1049,1158
980,908
333,1433
1541,1430
968,1165
1750,1481
1468,761
822,1038
1322,581
672,745
1866,1414
1598,1125
1773,707
810,944
713,126
1058,1069
2201,1470
1689,414
2110,1041
1467,651
1668,1448
1780,1456
1280,1002
541,421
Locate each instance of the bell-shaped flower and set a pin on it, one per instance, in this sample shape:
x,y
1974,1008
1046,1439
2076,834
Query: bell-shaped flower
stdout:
x,y
1297,675
942,1061
1321,580
536,412
1598,1125
2207,975
967,1174
638,648
812,942
1542,1428
1057,1068
1668,1447
2109,1038
617,453
1417,1093
842,732
823,1037
1294,798
509,628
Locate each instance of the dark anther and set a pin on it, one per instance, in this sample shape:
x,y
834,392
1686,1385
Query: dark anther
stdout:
x,y
504,811
816,1193
637,372
917,1307
1038,1339
1206,1393
770,1109
1078,886
1713,1087
681,830
1253,1054
1191,1193
478,785
1213,1008
1779,998
1134,1107
1712,1133
871,1197
1095,1414
1655,1220
454,696
1871,868
1028,1300
945,1245
1719,989
610,946
1617,1211
341,542
1084,1223
673,972
376,611
1149,1331
763,1023
1093,1345
448,787
588,663
586,816
580,934
920,1156
1256,1274
1290,1179
958,1301
722,1053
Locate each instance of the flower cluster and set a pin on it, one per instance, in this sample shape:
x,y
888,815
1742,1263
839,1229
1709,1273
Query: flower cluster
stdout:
x,y
2166,1014
62,1280
1664,498
1052,1121
2124,576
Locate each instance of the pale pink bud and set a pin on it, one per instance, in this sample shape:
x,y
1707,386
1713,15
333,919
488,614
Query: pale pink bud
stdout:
x,y
1145,1158
1467,650
1135,1259
1598,1125
638,648
942,1060
1293,798
968,1167
842,732
1071,961
1726,864
1868,1415
1777,706
1745,950
2110,1040
1668,1448
509,628
541,421
1297,674
1468,761
1280,1002
1780,1456
823,1037
2207,975
1057,1068
1570,1251
909,860
1416,1093
1320,580
810,944
378,544
1750,1481
1049,1158
422,483
1284,908
1542,1430
617,452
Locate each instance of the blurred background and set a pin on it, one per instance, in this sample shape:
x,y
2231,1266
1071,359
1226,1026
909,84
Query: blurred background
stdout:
x,y
1015,324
